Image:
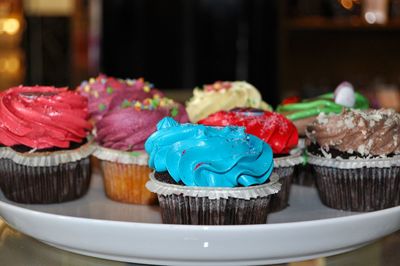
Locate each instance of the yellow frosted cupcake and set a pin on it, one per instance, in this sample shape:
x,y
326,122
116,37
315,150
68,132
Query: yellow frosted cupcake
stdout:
x,y
223,96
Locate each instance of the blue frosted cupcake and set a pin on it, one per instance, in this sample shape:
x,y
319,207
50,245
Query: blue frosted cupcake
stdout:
x,y
210,175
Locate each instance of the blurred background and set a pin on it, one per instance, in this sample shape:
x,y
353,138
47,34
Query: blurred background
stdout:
x,y
284,48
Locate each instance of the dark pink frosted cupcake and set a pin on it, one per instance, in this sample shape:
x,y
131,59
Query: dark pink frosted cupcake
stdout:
x,y
104,93
121,135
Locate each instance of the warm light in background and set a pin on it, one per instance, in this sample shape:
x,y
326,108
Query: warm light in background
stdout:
x,y
348,4
9,26
10,64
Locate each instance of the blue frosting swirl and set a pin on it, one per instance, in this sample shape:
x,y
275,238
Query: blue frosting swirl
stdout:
x,y
201,155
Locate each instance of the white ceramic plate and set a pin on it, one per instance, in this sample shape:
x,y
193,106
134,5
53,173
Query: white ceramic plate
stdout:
x,y
102,228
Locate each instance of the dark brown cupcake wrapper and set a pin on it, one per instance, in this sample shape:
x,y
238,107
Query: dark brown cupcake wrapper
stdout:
x,y
359,189
179,209
302,176
44,184
280,200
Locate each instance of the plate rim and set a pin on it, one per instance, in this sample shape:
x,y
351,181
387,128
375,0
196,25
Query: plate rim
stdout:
x,y
354,216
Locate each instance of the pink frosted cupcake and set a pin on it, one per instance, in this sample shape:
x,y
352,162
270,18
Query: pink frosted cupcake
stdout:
x,y
103,90
121,135
45,153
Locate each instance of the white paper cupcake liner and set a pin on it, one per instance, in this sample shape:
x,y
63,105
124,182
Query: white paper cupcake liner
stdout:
x,y
3,151
290,160
52,158
161,188
139,157
354,163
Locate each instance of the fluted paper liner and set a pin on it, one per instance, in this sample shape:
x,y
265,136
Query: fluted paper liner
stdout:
x,y
272,187
126,182
44,184
139,157
280,200
384,162
284,168
290,160
357,184
52,158
213,206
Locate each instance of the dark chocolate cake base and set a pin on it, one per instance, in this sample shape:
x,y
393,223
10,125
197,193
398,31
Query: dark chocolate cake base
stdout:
x,y
179,209
303,176
361,189
280,200
44,184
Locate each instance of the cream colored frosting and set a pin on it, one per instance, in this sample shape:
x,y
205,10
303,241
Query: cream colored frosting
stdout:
x,y
368,132
239,94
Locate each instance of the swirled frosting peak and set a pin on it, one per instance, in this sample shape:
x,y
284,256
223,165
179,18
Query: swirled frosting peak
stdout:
x,y
104,93
127,126
366,132
223,96
199,155
42,117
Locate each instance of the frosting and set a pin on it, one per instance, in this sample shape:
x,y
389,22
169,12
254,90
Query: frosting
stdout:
x,y
42,117
279,132
207,156
367,132
223,96
104,93
127,126
344,96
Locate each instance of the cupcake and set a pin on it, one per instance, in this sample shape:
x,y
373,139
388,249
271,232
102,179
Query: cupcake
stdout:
x,y
356,159
121,135
105,92
223,96
304,112
210,175
45,153
276,130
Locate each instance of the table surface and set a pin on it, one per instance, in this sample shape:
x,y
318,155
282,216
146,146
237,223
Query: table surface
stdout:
x,y
19,249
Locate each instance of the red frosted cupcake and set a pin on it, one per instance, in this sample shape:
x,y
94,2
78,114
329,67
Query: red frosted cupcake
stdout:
x,y
45,155
277,131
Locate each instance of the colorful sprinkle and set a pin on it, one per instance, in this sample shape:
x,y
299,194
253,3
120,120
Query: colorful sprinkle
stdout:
x,y
146,88
135,153
126,104
102,107
110,90
92,80
174,111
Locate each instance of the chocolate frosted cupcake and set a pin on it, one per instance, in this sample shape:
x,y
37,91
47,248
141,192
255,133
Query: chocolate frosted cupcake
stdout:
x,y
44,158
303,112
356,158
274,129
210,175
121,135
